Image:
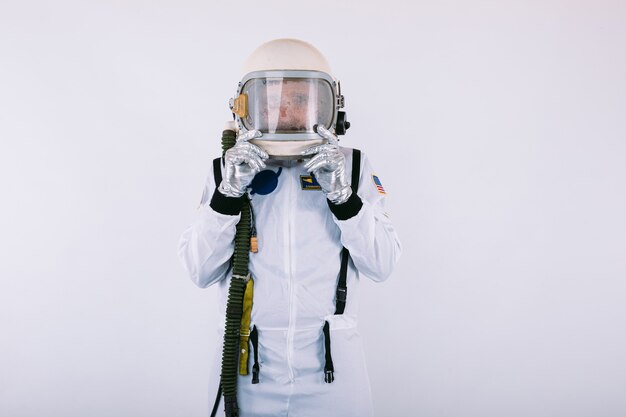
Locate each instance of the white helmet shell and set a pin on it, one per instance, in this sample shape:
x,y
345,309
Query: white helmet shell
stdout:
x,y
286,54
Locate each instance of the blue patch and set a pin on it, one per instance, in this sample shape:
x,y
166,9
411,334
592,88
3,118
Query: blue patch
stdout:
x,y
308,182
265,181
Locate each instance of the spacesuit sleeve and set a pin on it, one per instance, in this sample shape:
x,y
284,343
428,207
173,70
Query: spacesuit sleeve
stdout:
x,y
366,229
207,244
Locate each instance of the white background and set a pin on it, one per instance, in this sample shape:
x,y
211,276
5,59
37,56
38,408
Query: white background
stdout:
x,y
498,129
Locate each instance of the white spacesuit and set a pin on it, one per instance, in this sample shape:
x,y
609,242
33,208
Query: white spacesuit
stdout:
x,y
304,214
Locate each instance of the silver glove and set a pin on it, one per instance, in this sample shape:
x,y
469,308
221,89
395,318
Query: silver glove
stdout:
x,y
241,163
329,167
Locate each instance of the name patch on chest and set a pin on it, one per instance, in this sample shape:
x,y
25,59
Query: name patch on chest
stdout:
x,y
308,182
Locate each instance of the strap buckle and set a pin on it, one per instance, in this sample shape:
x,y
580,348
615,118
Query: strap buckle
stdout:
x,y
342,294
246,278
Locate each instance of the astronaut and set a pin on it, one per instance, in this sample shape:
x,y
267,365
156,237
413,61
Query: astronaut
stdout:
x,y
311,228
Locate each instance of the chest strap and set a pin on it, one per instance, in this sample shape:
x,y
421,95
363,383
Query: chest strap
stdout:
x,y
342,288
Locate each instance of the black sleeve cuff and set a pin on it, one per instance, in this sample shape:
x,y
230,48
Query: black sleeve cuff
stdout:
x,y
226,205
348,209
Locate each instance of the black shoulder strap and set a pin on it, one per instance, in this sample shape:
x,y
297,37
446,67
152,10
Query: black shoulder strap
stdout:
x,y
342,288
217,170
356,169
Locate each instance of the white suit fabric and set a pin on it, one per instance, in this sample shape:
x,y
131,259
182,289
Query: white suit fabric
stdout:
x,y
295,274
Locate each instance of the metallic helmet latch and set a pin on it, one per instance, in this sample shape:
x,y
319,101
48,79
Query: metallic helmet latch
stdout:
x,y
239,105
341,101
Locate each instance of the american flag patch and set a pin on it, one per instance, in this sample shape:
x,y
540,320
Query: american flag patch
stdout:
x,y
378,184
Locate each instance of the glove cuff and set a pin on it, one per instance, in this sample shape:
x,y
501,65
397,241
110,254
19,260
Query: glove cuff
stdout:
x,y
346,210
226,205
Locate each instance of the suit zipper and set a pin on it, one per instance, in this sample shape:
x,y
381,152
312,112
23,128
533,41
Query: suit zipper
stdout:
x,y
290,329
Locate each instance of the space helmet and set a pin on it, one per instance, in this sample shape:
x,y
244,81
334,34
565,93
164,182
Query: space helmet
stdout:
x,y
286,90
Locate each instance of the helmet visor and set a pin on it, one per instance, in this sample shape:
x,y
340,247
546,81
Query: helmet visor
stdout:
x,y
288,105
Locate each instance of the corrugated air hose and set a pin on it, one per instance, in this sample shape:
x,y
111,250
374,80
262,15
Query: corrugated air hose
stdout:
x,y
234,305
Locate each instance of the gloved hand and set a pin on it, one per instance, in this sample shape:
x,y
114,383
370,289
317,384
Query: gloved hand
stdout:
x,y
241,163
329,167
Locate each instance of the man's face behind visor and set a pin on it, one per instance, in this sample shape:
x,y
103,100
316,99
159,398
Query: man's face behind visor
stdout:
x,y
288,105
